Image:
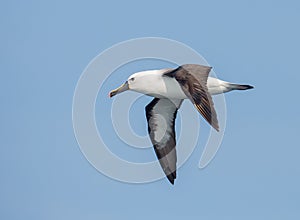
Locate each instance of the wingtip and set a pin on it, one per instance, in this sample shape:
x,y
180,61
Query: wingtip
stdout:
x,y
171,177
212,120
215,124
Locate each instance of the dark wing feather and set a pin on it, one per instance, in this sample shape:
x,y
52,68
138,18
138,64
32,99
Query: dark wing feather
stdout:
x,y
193,81
161,115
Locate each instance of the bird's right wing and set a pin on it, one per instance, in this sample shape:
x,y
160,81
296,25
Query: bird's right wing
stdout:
x,y
193,81
161,115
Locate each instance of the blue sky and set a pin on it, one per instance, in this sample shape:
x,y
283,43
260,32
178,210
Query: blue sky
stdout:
x,y
45,46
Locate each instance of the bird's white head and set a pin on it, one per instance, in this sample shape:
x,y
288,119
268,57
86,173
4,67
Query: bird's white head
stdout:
x,y
140,82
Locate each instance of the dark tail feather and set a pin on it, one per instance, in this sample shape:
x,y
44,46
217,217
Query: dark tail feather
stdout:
x,y
241,87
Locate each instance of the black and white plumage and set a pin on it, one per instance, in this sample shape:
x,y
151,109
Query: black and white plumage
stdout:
x,y
170,87
161,115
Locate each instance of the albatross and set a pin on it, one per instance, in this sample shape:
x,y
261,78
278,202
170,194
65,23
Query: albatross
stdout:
x,y
170,87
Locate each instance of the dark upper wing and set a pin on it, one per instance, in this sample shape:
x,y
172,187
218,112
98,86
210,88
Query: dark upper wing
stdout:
x,y
161,114
193,81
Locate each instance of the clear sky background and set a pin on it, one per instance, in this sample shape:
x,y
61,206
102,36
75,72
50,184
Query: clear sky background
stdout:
x,y
45,46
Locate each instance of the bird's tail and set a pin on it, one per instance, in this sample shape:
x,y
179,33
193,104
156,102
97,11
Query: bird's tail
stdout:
x,y
239,86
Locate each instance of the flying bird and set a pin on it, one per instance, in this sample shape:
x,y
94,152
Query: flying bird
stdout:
x,y
170,87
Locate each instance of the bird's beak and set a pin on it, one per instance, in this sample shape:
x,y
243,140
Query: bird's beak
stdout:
x,y
122,88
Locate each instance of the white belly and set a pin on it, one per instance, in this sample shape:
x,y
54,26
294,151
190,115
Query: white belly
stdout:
x,y
169,88
160,87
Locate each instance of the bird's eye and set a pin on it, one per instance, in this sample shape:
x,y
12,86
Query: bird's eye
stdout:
x,y
132,79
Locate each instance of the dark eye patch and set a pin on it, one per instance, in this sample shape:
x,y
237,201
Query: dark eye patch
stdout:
x,y
132,79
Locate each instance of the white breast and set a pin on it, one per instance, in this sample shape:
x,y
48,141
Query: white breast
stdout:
x,y
171,89
154,84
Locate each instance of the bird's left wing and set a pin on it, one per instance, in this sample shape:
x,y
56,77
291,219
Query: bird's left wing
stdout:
x,y
161,115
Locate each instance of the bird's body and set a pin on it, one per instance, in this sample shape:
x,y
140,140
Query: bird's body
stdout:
x,y
154,84
170,87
